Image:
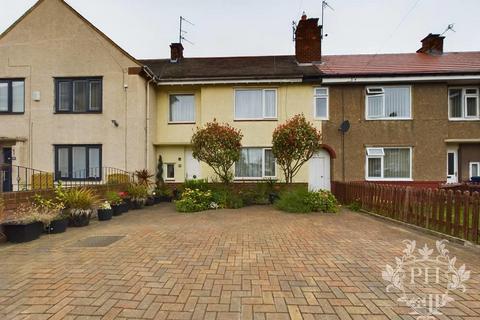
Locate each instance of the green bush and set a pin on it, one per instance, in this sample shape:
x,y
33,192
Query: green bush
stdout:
x,y
355,205
200,184
194,200
113,197
300,200
227,198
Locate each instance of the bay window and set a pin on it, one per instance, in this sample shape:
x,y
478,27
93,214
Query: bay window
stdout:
x,y
78,162
463,104
321,103
12,96
78,95
182,108
255,104
388,103
388,163
255,163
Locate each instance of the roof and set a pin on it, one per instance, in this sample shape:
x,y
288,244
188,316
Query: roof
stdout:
x,y
229,68
400,64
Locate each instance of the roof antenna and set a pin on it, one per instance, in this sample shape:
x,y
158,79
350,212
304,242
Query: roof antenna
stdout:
x,y
294,31
449,28
324,5
182,33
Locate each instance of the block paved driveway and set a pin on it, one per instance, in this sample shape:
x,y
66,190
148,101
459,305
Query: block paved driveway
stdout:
x,y
253,263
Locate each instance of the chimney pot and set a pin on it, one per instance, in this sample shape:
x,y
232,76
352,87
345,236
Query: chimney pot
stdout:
x,y
176,52
308,40
432,44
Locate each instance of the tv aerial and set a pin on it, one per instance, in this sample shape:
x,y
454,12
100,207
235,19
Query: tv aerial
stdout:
x,y
449,28
182,32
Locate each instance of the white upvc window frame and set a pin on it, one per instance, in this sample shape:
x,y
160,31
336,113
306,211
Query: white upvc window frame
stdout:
x,y
264,117
170,106
381,92
464,98
263,177
315,96
470,167
382,156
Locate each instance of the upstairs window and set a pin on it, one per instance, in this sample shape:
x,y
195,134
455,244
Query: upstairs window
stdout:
x,y
388,103
78,162
463,104
321,103
255,104
388,163
78,95
12,96
182,108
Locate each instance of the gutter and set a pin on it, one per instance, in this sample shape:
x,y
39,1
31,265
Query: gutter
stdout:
x,y
334,80
228,81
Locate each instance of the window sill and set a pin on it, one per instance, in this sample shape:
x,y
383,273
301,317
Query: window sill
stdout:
x,y
388,119
254,179
388,179
2,113
320,119
181,122
260,119
83,112
463,119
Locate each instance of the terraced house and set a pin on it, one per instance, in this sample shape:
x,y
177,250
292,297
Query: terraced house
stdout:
x,y
73,102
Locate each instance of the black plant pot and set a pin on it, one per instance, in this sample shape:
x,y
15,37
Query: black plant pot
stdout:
x,y
272,197
137,204
150,201
18,233
124,207
118,209
57,226
82,220
166,198
157,199
104,214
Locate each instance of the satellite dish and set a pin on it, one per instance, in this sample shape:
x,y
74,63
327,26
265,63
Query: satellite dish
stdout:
x,y
345,126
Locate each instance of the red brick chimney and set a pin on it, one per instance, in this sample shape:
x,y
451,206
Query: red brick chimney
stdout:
x,y
176,52
308,40
432,44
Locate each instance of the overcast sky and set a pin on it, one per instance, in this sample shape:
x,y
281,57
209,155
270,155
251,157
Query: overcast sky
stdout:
x,y
145,28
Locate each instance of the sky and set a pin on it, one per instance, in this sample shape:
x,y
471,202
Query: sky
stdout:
x,y
145,28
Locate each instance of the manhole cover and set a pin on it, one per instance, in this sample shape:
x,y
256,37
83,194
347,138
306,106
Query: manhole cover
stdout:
x,y
97,241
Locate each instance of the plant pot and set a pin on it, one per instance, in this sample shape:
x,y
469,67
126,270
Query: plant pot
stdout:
x,y
104,214
124,207
81,220
57,226
166,198
118,209
18,233
272,197
150,201
137,204
157,199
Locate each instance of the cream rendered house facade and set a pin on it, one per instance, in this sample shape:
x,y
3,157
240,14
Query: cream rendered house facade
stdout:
x,y
71,100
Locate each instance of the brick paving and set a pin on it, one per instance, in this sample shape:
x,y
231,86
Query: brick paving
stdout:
x,y
252,263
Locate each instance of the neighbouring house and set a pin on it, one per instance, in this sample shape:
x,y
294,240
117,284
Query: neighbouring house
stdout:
x,y
72,101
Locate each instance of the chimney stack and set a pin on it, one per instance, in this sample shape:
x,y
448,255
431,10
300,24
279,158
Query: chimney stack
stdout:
x,y
308,40
176,52
432,44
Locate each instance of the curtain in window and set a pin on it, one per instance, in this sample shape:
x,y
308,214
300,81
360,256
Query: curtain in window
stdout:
x,y
270,103
80,93
95,95
79,163
375,106
269,164
321,107
182,108
94,163
397,102
374,167
3,97
62,156
64,96
471,106
248,104
250,163
455,96
475,170
18,96
396,163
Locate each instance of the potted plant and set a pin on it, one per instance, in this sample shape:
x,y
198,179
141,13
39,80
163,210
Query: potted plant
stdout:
x,y
164,194
26,223
104,212
79,203
59,222
116,203
127,200
138,195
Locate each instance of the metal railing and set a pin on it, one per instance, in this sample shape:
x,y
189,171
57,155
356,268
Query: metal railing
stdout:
x,y
15,178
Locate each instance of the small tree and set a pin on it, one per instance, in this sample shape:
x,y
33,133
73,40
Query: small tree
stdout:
x,y
159,176
294,143
218,145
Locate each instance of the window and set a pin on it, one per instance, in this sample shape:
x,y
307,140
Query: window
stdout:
x,y
170,172
79,95
389,164
12,96
463,104
78,162
182,108
388,103
255,163
321,103
474,169
255,104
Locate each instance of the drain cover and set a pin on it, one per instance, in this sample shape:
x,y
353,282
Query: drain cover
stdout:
x,y
97,241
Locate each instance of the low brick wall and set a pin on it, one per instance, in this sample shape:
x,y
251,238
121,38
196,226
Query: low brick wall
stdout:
x,y
248,185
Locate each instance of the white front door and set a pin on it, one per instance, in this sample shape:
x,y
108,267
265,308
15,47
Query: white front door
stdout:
x,y
452,164
192,166
319,171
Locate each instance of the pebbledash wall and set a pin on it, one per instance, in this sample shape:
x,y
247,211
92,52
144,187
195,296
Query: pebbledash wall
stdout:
x,y
50,41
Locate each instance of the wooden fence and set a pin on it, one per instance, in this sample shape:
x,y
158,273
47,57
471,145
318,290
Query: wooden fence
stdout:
x,y
454,213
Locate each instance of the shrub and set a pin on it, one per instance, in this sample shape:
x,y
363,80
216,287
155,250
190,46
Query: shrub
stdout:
x,y
200,184
137,192
79,198
300,200
27,213
118,178
227,198
194,200
144,177
113,197
355,205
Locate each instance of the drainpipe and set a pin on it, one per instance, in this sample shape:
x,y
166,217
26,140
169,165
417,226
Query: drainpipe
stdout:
x,y
147,120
